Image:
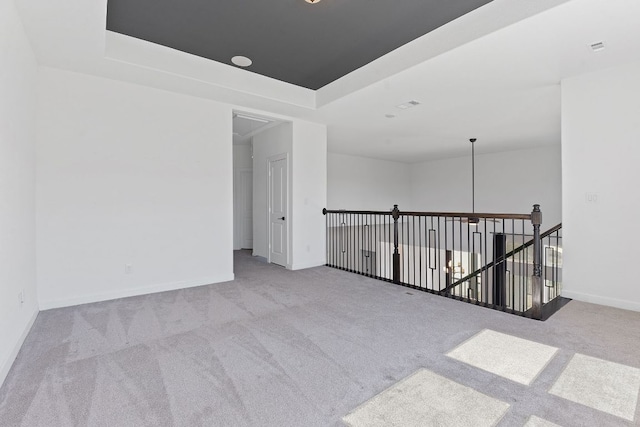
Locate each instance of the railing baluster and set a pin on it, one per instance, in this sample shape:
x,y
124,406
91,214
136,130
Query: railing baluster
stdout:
x,y
413,247
420,250
439,255
375,246
469,256
536,280
333,238
352,242
396,254
446,265
406,256
327,246
485,281
336,236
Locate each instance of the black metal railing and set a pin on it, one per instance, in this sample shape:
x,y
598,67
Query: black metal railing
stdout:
x,y
499,261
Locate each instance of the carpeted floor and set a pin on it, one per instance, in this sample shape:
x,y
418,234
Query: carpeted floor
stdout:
x,y
282,348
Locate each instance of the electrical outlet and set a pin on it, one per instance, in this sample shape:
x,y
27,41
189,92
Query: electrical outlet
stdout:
x,y
128,269
591,197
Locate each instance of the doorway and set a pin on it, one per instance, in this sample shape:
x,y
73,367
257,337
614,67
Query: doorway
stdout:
x,y
261,217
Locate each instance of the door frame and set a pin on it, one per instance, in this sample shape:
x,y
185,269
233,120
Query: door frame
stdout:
x,y
270,159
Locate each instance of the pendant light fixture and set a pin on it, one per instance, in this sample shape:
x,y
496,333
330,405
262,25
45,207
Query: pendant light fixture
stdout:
x,y
472,220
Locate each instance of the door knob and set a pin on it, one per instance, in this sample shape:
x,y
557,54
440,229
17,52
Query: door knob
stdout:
x,y
282,218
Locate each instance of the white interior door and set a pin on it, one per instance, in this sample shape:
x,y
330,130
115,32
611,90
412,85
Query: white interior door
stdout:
x,y
278,242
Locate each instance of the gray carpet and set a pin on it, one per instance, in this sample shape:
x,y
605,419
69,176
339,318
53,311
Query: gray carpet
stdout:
x,y
282,348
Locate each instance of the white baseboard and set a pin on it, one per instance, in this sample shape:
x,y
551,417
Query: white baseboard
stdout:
x,y
131,292
307,265
598,299
6,367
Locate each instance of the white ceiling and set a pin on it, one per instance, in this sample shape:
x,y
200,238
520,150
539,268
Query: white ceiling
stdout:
x,y
503,89
492,74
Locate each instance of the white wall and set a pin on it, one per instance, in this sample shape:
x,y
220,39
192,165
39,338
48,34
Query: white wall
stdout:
x,y
601,155
242,157
129,175
508,181
360,183
18,81
273,141
309,194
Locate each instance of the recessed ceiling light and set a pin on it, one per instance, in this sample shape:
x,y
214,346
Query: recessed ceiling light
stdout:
x,y
597,47
389,116
312,1
241,61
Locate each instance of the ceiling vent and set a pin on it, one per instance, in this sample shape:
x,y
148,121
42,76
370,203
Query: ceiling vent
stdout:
x,y
407,105
597,47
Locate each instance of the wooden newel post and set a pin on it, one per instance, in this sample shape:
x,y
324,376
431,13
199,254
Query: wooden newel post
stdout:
x,y
536,280
395,213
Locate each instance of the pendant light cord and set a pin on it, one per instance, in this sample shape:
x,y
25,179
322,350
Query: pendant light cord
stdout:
x,y
473,177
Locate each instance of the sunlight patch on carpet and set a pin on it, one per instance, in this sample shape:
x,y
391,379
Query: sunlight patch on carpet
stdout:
x,y
510,357
425,399
606,386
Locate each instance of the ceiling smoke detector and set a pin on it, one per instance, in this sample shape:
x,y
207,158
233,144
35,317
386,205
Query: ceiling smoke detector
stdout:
x,y
312,1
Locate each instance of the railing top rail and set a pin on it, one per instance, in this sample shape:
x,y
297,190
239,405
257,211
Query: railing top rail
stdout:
x,y
469,215
343,211
550,231
436,214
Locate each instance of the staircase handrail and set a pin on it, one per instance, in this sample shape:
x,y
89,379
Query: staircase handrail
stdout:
x,y
503,258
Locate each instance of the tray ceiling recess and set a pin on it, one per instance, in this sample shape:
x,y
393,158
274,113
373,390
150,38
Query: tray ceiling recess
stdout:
x,y
305,44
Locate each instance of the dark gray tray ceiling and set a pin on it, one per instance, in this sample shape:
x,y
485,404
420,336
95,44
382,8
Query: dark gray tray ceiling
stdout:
x,y
289,40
